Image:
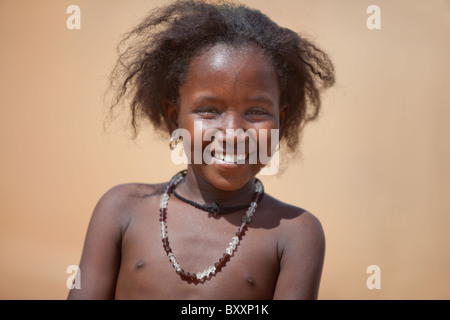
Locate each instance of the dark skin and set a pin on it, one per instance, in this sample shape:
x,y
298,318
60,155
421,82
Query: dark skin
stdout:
x,y
281,254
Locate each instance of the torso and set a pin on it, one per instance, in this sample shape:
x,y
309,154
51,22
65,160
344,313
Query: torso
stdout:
x,y
198,241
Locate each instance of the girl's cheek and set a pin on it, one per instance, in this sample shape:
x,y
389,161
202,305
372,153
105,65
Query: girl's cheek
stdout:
x,y
268,140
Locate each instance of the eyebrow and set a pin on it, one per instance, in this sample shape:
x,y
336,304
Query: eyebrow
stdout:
x,y
262,98
202,98
258,98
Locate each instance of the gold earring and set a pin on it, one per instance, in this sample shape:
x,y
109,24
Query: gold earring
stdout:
x,y
173,142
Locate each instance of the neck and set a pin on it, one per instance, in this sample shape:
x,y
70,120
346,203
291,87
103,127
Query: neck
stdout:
x,y
195,188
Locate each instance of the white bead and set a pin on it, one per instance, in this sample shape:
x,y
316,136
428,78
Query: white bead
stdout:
x,y
163,201
163,204
234,242
163,230
212,270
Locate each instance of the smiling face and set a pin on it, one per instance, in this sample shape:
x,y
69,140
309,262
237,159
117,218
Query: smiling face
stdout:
x,y
229,87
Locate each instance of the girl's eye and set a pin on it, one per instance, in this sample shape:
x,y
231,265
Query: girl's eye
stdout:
x,y
257,112
207,110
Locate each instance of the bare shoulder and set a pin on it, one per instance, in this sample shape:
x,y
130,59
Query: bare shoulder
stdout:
x,y
120,201
127,193
295,224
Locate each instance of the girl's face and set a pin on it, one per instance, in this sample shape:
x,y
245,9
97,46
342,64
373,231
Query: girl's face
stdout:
x,y
234,88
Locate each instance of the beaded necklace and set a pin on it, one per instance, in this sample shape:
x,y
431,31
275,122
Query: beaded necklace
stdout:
x,y
213,208
205,274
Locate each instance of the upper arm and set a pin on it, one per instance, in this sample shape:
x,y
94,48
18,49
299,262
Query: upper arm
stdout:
x,y
302,255
100,259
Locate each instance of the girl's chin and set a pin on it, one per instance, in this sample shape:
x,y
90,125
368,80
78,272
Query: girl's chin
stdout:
x,y
227,176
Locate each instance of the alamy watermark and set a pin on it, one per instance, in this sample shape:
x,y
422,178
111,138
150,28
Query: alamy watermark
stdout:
x,y
374,280
373,22
235,146
74,280
73,22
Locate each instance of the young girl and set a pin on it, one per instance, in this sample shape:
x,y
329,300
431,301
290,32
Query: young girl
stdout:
x,y
210,232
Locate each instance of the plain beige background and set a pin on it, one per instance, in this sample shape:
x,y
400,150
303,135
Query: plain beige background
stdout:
x,y
375,168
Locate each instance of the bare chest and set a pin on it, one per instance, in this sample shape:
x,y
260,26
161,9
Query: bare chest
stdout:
x,y
197,243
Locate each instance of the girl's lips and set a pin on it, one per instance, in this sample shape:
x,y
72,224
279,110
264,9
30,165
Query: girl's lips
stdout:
x,y
234,160
229,164
230,159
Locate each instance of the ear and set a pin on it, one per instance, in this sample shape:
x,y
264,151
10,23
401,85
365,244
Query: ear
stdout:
x,y
171,114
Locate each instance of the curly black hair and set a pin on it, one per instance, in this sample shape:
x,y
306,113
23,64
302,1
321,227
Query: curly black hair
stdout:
x,y
154,58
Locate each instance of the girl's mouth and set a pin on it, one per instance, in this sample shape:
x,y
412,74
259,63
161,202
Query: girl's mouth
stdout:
x,y
221,158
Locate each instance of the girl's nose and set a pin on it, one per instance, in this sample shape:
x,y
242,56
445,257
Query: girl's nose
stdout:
x,y
232,120
234,128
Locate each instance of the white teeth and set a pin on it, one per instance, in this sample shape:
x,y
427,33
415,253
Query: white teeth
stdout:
x,y
230,158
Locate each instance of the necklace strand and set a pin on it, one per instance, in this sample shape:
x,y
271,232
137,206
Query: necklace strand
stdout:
x,y
205,274
213,208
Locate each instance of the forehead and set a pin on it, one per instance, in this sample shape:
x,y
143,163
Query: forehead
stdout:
x,y
229,68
